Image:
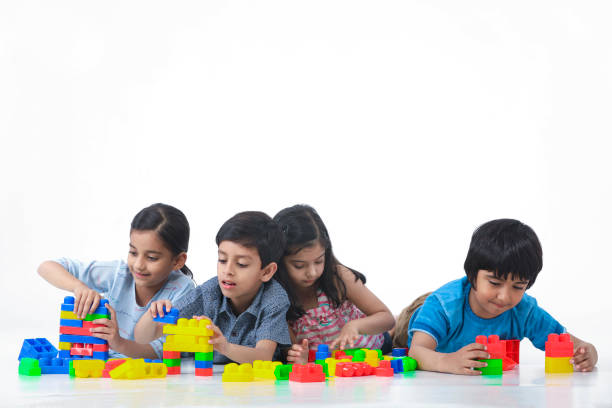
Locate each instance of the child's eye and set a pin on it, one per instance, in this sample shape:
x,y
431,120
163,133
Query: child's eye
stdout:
x,y
319,262
222,261
240,265
300,266
133,253
152,258
519,287
494,283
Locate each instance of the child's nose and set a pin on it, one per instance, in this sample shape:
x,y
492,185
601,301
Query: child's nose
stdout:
x,y
139,263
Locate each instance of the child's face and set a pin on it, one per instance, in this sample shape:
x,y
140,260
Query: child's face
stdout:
x,y
240,273
149,261
492,296
306,266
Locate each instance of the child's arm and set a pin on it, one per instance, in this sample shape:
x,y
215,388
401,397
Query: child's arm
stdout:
x,y
263,350
585,355
110,333
462,361
86,300
147,330
379,319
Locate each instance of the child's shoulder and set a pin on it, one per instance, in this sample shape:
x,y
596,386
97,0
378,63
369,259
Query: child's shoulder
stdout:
x,y
451,291
274,293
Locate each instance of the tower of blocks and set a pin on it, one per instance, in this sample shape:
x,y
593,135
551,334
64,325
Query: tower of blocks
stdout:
x,y
502,354
75,340
190,336
559,349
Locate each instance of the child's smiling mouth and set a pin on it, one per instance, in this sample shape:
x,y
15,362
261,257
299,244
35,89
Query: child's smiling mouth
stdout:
x,y
228,284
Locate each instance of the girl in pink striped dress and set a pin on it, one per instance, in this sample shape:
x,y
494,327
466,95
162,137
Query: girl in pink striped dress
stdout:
x,y
329,302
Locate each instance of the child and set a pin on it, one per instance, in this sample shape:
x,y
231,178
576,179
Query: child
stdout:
x,y
155,268
329,302
503,261
246,306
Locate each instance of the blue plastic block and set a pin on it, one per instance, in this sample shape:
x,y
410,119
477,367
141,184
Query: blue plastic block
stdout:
x,y
71,322
54,365
100,355
37,348
73,338
65,354
148,360
203,364
68,305
170,317
398,352
397,365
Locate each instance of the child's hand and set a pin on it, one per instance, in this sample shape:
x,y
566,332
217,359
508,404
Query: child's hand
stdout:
x,y
348,335
218,340
157,308
110,330
85,300
585,357
464,360
298,353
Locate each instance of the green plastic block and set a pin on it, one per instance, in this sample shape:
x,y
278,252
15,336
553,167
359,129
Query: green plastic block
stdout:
x,y
380,354
92,317
409,363
494,367
204,356
71,369
29,366
324,365
281,372
358,356
172,362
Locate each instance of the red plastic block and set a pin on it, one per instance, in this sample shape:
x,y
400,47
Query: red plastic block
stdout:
x,y
513,348
312,354
112,364
384,369
202,372
100,347
559,345
495,347
174,370
171,355
80,349
307,373
354,369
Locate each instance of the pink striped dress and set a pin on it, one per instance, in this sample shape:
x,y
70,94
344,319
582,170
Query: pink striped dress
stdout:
x,y
322,324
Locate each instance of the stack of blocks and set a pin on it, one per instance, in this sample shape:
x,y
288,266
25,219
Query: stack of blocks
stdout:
x,y
76,341
559,349
497,351
190,336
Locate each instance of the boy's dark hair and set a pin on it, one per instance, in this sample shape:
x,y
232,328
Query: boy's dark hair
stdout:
x,y
303,227
171,226
254,229
505,247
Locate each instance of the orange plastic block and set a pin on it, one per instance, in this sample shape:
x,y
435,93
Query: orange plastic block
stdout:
x,y
172,355
237,373
384,370
88,368
495,347
189,327
559,345
354,369
174,370
307,373
513,348
189,344
331,365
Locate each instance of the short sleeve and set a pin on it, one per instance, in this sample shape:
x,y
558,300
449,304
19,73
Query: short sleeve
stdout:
x,y
430,319
273,326
96,275
539,324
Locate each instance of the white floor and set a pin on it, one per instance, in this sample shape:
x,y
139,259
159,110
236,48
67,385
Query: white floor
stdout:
x,y
526,386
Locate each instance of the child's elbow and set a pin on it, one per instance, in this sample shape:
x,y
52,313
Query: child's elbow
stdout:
x,y
44,267
389,321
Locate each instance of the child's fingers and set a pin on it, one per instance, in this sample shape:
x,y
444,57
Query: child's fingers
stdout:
x,y
478,354
94,303
475,364
467,371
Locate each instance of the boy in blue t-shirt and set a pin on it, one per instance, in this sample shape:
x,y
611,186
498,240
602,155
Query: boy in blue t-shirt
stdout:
x,y
503,261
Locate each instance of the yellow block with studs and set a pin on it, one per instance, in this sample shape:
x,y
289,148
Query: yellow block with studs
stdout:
x,y
558,365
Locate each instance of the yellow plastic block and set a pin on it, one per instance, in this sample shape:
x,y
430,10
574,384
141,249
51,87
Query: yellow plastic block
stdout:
x,y
66,314
331,365
65,345
190,327
264,370
130,370
188,344
237,373
389,358
558,365
156,370
88,368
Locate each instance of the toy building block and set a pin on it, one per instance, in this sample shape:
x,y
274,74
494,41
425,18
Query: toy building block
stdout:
x,y
130,370
264,370
189,344
495,348
312,355
558,365
399,352
494,367
397,365
559,345
65,346
155,369
203,364
88,368
322,352
65,314
307,373
203,372
111,365
54,365
169,317
173,354
37,348
384,369
358,356
513,348
281,372
409,364
29,366
71,338
174,370
354,369
372,358
71,322
189,327
237,373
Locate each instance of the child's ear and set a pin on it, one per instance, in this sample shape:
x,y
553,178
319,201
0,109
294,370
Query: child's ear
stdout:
x,y
268,271
179,261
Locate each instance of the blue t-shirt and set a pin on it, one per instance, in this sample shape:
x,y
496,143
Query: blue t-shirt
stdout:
x,y
264,319
447,316
115,281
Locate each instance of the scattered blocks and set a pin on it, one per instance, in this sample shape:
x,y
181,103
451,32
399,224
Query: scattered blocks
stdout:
x,y
54,365
88,368
111,365
37,348
29,366
264,370
409,363
354,369
307,373
237,373
399,352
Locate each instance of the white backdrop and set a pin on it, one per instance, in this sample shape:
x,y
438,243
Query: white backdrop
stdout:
x,y
405,123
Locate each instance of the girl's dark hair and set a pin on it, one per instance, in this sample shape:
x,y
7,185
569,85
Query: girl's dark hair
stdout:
x,y
302,227
504,247
171,226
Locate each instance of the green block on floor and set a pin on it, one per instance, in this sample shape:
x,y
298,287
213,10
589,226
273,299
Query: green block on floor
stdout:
x,y
281,372
409,363
380,354
358,356
172,362
204,356
324,365
29,366
494,367
71,369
